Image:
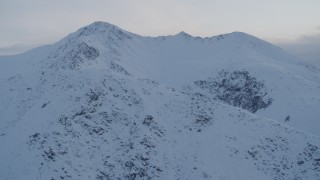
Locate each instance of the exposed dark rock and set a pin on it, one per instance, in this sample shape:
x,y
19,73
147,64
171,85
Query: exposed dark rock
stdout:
x,y
148,120
84,51
45,104
64,121
238,88
93,96
203,119
118,68
50,154
287,118
81,53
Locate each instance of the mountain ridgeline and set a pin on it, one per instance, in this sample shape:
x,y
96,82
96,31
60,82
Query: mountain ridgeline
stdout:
x,y
104,103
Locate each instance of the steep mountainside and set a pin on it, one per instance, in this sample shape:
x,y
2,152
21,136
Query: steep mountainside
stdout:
x,y
104,103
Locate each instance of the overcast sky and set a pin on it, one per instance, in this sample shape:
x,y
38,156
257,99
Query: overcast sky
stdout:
x,y
291,24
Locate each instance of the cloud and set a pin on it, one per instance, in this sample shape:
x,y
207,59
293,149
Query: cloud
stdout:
x,y
306,47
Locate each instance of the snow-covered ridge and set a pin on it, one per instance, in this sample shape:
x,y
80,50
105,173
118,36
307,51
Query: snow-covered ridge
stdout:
x,y
104,103
102,29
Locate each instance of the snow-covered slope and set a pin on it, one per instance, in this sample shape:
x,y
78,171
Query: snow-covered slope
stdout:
x,y
104,103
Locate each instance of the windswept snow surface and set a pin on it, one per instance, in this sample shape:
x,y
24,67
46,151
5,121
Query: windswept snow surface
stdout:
x,y
104,103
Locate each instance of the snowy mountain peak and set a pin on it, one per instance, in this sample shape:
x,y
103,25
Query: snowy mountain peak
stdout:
x,y
239,33
104,103
183,34
97,32
99,27
237,36
87,44
245,37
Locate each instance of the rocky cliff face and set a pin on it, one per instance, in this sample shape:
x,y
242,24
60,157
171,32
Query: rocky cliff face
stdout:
x,y
238,89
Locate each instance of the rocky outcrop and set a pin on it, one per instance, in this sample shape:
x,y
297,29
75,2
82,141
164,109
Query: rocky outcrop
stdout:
x,y
238,88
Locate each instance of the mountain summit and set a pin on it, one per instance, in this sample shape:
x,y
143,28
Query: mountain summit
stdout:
x,y
98,28
104,103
